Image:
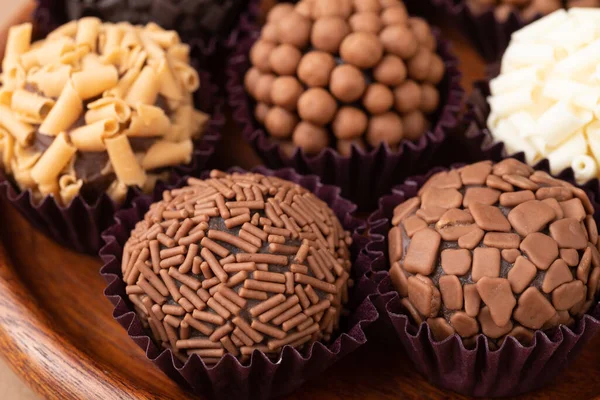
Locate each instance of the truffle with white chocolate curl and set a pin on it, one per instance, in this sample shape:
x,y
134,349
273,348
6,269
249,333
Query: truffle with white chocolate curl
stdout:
x,y
236,263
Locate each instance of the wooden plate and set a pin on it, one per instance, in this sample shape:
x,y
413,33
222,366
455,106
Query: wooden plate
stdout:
x,y
58,334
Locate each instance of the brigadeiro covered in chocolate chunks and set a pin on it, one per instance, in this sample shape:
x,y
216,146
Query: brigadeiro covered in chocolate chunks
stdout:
x,y
496,249
363,70
96,107
236,263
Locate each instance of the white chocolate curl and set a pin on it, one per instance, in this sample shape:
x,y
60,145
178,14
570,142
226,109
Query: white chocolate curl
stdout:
x,y
546,100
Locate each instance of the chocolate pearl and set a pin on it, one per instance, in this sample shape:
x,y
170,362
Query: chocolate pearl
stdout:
x,y
366,22
251,79
317,105
430,98
315,68
262,92
378,98
260,53
304,8
395,15
386,128
436,70
260,112
344,147
280,123
269,33
407,97
414,125
286,91
294,29
399,40
422,32
347,83
361,49
328,33
311,138
367,5
332,8
279,11
284,59
390,71
418,66
349,123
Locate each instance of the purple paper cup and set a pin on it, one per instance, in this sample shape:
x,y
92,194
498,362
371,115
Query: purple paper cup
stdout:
x,y
261,378
511,369
365,175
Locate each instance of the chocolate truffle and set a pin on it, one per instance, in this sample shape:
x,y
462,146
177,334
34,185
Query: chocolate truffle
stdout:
x,y
498,249
77,119
367,58
236,263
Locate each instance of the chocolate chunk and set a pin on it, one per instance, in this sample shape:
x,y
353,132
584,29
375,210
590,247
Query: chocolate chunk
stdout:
x,y
573,209
405,209
516,198
442,180
521,274
413,224
422,252
502,240
568,294
496,182
570,256
533,309
552,322
557,192
585,200
480,195
452,293
395,244
521,334
471,239
476,174
558,212
431,215
593,283
510,255
486,262
425,297
454,216
531,216
489,218
456,261
440,328
497,295
412,310
557,274
540,249
472,299
583,269
489,327
592,229
444,198
399,279
568,232
595,255
454,232
520,182
542,177
464,325
511,166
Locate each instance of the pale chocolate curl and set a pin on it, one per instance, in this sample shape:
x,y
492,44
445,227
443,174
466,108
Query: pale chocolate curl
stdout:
x,y
124,163
188,76
31,104
65,112
144,89
91,137
17,43
50,164
113,34
69,29
584,167
169,86
49,53
148,121
7,143
69,187
152,48
21,131
88,29
51,79
108,107
93,82
165,153
117,191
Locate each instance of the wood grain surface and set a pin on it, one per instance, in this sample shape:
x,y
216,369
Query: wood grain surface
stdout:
x,y
57,332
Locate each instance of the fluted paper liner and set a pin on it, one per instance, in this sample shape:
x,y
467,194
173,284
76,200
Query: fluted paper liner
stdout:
x,y
261,378
510,370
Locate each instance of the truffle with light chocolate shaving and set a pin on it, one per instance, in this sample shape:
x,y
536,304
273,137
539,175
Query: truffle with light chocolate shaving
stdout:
x,y
96,107
237,263
364,71
497,249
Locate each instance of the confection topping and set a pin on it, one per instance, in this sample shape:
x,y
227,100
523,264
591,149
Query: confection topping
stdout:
x,y
363,70
236,263
527,9
481,250
96,106
545,100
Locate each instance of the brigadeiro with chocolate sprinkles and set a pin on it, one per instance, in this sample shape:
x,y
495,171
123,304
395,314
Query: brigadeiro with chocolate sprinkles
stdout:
x,y
238,263
366,71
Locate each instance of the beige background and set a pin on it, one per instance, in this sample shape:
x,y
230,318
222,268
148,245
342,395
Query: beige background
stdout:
x,y
11,387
